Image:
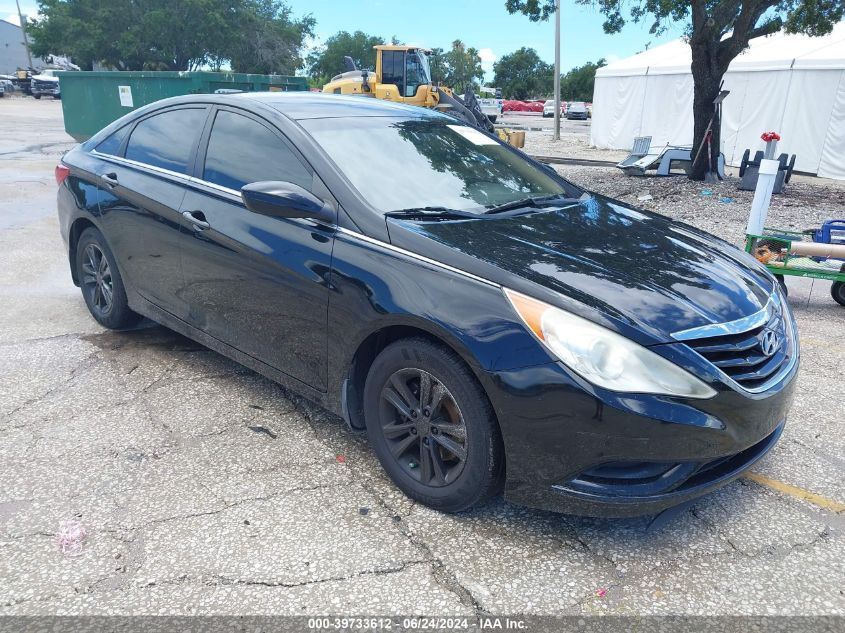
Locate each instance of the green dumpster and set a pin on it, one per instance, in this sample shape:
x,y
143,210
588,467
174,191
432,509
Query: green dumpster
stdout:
x,y
92,100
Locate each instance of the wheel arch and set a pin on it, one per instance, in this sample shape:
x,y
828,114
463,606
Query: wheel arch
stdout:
x,y
76,229
371,345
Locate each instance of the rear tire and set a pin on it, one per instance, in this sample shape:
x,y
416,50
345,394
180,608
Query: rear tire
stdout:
x,y
432,426
100,281
837,291
37,96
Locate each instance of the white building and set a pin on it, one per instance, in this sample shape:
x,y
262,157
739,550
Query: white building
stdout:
x,y
13,50
791,84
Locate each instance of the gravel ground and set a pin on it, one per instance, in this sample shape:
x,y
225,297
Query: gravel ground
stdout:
x,y
206,489
719,208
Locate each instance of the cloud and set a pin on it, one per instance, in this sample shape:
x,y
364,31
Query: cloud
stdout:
x,y
488,58
612,58
13,18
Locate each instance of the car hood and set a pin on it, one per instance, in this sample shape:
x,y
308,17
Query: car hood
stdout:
x,y
632,266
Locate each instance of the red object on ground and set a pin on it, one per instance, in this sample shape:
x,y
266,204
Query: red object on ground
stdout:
x,y
511,105
341,459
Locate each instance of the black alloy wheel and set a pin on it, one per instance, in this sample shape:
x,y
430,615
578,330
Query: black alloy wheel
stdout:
x,y
97,282
432,426
423,427
100,281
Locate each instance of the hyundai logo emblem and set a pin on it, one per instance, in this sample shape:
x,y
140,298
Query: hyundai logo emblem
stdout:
x,y
769,342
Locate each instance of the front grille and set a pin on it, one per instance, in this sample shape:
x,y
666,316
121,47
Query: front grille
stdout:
x,y
751,355
743,357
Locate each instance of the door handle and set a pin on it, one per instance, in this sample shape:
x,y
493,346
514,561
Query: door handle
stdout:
x,y
197,218
110,179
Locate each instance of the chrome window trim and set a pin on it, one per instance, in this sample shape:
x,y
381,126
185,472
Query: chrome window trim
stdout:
x,y
212,185
401,251
119,160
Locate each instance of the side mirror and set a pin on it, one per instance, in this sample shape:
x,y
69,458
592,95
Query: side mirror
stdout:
x,y
280,199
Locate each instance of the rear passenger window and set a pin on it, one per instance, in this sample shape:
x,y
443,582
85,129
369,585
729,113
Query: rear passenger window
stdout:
x,y
111,145
167,140
241,151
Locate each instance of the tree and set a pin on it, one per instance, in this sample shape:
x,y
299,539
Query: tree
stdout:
x,y
462,66
253,35
523,75
578,83
326,62
267,39
437,60
717,31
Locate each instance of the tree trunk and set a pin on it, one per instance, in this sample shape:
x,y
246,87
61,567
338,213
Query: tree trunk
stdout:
x,y
706,77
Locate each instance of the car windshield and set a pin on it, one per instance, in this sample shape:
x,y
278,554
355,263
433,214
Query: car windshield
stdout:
x,y
549,103
399,164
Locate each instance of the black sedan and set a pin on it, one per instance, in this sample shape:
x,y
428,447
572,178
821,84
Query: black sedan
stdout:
x,y
491,325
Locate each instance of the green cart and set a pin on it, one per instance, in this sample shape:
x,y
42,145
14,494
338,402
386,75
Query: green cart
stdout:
x,y
773,249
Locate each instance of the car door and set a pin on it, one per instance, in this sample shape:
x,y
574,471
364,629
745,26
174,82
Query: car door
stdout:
x,y
143,173
255,282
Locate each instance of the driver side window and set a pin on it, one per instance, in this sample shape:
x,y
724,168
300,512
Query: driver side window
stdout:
x,y
241,151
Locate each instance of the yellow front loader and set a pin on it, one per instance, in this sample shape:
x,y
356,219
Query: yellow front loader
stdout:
x,y
403,74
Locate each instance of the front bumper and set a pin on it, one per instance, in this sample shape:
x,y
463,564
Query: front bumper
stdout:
x,y
616,455
46,90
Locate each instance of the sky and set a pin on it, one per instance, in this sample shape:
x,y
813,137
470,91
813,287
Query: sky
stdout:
x,y
483,24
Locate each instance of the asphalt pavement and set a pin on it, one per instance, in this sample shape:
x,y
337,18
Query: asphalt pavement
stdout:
x,y
203,488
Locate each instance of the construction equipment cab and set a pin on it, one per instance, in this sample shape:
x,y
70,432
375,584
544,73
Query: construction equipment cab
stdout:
x,y
403,74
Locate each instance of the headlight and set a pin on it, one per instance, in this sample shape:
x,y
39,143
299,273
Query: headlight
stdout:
x,y
602,356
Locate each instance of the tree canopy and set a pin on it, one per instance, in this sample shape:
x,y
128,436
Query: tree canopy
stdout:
x,y
462,67
327,61
578,83
523,75
259,36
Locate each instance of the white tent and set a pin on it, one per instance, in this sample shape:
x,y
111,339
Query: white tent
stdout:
x,y
792,84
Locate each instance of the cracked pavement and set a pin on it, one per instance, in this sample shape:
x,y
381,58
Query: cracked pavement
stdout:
x,y
207,489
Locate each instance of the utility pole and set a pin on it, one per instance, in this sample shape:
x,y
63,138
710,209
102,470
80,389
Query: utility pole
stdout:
x,y
23,30
557,70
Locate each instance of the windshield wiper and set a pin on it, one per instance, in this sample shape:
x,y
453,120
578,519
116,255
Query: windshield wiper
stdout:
x,y
535,201
441,213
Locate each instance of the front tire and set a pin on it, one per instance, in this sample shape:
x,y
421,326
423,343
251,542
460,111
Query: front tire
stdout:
x,y
432,426
100,281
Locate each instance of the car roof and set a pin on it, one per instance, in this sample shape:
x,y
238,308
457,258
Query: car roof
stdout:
x,y
307,105
319,105
293,105
310,105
